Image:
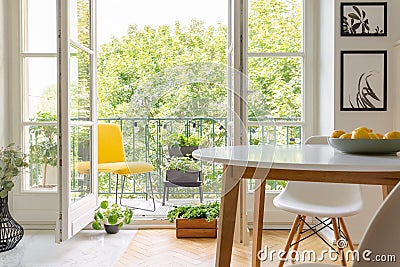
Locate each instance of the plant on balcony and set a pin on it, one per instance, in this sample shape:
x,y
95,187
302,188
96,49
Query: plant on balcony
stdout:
x,y
12,163
195,221
182,145
183,171
43,147
112,217
182,164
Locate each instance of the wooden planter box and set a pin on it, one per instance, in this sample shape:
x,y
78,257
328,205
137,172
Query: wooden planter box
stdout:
x,y
196,228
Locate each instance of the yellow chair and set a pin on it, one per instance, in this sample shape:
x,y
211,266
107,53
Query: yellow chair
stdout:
x,y
111,159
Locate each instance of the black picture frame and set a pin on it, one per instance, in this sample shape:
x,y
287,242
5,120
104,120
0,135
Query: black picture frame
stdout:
x,y
367,19
363,80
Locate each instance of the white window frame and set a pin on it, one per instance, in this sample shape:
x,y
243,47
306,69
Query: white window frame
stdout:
x,y
25,123
307,116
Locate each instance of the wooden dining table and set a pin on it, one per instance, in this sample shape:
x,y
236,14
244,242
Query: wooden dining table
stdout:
x,y
310,163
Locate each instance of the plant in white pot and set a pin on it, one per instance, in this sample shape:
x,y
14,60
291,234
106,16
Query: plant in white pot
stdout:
x,y
112,217
12,163
43,148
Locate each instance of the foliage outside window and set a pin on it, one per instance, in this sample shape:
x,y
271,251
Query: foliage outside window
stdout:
x,y
130,67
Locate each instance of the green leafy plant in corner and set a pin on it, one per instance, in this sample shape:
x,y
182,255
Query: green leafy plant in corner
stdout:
x,y
111,215
12,163
208,211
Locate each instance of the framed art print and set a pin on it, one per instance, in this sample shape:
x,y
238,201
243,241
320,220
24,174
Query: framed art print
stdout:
x,y
364,19
363,81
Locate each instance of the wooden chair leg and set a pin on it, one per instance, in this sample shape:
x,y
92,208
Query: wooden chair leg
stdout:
x,y
290,239
259,200
298,235
337,237
346,233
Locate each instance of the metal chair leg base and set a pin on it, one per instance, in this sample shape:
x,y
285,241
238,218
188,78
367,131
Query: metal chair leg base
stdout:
x,y
131,207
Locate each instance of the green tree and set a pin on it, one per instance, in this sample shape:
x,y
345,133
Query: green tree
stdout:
x,y
146,56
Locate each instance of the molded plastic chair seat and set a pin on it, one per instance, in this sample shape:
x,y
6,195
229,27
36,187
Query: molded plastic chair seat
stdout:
x,y
111,159
121,168
330,200
327,200
382,237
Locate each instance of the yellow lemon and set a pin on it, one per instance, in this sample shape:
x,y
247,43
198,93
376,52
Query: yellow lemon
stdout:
x,y
345,136
360,134
379,135
392,135
372,136
363,129
337,133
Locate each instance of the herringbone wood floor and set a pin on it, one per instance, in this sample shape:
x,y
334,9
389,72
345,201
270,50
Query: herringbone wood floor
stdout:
x,y
155,248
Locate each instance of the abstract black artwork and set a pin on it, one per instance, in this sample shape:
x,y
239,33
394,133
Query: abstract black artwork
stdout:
x,y
364,19
363,81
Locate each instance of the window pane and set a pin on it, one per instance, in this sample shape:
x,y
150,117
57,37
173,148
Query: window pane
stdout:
x,y
41,88
275,26
79,84
40,26
81,180
279,80
42,157
80,22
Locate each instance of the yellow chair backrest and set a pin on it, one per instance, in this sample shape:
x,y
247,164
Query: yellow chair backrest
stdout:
x,y
110,145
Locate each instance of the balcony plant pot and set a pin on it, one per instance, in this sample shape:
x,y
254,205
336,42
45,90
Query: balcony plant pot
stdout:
x,y
181,151
188,178
196,228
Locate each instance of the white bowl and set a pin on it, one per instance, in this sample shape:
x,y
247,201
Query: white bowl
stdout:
x,y
365,146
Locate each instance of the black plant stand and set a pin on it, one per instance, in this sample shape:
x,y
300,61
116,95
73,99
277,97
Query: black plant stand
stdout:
x,y
10,231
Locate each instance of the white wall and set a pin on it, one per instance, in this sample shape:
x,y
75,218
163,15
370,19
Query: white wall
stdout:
x,y
3,74
330,116
381,121
324,69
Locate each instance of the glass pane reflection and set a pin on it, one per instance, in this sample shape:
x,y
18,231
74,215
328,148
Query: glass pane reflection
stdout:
x,y
81,180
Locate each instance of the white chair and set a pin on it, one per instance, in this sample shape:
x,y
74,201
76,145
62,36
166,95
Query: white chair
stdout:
x,y
320,200
382,237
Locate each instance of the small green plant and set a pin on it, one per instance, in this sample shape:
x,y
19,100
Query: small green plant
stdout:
x,y
12,163
180,140
111,215
208,211
182,164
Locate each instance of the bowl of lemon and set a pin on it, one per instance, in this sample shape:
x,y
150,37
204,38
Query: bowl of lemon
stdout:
x,y
363,140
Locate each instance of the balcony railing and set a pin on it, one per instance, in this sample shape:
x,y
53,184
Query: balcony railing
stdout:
x,y
147,139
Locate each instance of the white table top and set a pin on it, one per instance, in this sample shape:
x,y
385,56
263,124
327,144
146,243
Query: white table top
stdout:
x,y
298,157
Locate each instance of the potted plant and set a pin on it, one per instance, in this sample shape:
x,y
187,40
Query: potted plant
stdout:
x,y
43,147
12,163
112,217
183,171
181,145
195,221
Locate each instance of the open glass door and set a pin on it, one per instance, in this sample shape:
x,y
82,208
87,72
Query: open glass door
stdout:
x,y
237,100
77,116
